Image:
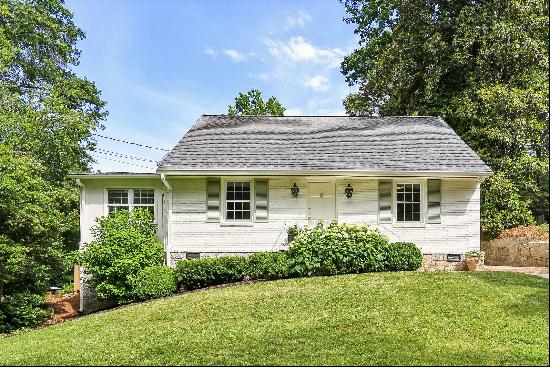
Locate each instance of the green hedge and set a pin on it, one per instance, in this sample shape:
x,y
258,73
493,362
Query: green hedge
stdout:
x,y
20,310
200,273
268,265
402,256
155,282
319,250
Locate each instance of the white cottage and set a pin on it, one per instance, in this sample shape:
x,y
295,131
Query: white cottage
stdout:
x,y
233,185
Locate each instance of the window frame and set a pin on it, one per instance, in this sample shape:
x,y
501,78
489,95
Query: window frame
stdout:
x,y
223,206
131,204
423,204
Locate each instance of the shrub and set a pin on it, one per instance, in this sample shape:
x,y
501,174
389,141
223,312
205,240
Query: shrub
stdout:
x,y
22,310
403,256
124,244
336,249
200,273
155,282
267,265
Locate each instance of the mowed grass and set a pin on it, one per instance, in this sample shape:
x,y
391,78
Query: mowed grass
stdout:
x,y
386,318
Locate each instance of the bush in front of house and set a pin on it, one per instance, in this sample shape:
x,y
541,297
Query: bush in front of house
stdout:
x,y
155,282
200,273
402,256
267,265
337,249
21,310
124,244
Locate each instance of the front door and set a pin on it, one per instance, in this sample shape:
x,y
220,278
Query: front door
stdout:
x,y
322,202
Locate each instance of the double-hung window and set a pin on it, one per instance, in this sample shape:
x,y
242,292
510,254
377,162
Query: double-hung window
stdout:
x,y
129,199
408,202
237,200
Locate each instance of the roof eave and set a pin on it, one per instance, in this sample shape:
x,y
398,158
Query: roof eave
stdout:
x,y
312,172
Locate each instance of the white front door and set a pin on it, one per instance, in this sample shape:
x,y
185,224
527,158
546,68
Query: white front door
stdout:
x,y
322,202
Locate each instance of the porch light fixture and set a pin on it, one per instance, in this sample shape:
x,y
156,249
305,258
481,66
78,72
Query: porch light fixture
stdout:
x,y
294,190
349,191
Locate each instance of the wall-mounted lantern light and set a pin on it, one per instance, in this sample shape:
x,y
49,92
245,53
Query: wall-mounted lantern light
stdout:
x,y
349,191
294,190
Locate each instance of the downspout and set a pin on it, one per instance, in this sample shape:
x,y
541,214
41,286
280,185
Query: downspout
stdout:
x,y
80,244
168,236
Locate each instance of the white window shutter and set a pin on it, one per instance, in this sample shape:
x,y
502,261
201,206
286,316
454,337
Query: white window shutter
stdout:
x,y
385,201
434,201
261,195
213,189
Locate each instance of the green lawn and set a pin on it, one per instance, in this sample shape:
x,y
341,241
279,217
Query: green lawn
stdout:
x,y
385,318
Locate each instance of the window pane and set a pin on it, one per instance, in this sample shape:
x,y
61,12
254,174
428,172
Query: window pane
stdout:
x,y
400,212
400,196
246,215
230,205
142,196
114,209
117,196
239,215
230,195
400,188
416,217
416,197
230,215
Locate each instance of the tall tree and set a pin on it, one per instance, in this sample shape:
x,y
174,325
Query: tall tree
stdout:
x,y
47,117
252,103
483,67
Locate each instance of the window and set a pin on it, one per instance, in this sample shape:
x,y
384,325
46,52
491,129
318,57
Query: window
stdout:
x,y
237,200
128,199
408,202
117,200
145,199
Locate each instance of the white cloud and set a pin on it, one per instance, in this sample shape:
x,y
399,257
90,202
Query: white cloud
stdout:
x,y
234,55
298,20
297,49
210,51
295,111
318,83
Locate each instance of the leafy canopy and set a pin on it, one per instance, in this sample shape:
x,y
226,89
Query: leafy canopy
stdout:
x,y
252,104
47,117
482,66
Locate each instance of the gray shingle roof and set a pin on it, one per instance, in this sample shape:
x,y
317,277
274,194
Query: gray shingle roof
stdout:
x,y
403,144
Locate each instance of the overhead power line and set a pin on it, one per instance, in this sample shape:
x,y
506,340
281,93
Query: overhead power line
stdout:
x,y
123,155
130,142
131,164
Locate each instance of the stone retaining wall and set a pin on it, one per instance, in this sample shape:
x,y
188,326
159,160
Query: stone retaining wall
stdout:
x,y
516,252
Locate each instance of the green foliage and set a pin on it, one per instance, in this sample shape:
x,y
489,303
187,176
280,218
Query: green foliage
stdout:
x,y
336,249
480,65
402,256
503,206
252,104
124,244
20,310
155,282
47,116
200,273
268,265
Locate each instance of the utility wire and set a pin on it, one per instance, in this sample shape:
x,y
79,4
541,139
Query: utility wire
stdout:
x,y
122,155
131,164
129,142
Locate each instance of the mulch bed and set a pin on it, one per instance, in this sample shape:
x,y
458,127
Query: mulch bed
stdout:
x,y
64,309
524,231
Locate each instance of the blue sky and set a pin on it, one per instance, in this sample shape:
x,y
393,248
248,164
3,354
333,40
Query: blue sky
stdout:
x,y
161,64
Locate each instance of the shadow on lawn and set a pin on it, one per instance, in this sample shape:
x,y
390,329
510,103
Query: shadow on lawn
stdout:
x,y
533,302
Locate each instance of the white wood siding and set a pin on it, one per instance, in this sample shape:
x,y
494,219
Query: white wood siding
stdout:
x,y
457,232
189,231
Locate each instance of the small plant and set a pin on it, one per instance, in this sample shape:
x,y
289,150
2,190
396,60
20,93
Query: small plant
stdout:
x,y
22,310
155,282
474,258
292,233
403,256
